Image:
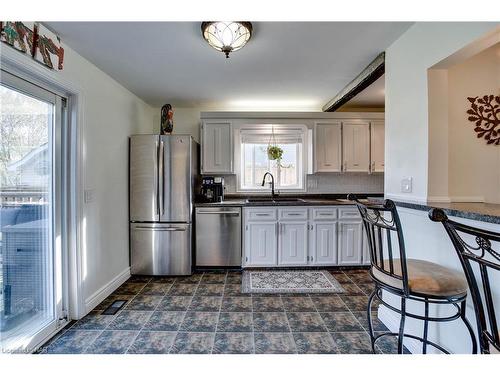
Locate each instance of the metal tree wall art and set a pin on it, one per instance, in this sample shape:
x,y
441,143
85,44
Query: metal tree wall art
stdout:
x,y
485,113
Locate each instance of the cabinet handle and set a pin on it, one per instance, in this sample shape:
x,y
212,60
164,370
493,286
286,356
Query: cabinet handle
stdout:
x,y
312,258
307,258
293,214
345,166
261,214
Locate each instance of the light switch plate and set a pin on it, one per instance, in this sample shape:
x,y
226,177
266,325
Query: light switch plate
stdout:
x,y
407,184
88,195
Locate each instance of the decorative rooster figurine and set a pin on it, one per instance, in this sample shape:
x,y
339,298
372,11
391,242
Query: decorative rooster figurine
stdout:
x,y
167,119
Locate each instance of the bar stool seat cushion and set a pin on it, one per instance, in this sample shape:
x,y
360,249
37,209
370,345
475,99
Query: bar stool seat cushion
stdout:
x,y
425,278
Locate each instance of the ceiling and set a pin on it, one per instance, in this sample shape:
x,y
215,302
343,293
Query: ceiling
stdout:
x,y
285,66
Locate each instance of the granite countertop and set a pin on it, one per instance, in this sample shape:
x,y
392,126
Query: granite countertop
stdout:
x,y
304,200
487,212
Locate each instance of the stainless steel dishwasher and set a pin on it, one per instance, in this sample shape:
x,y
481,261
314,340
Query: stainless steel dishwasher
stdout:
x,y
218,236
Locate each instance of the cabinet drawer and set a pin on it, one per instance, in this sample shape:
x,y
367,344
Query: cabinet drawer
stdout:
x,y
262,214
349,213
292,213
324,213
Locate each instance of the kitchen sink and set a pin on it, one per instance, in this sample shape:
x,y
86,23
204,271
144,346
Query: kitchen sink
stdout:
x,y
274,200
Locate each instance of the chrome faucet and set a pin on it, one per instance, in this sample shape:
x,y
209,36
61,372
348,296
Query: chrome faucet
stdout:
x,y
271,183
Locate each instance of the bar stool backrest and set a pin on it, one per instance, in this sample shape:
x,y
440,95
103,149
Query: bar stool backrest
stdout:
x,y
385,242
480,249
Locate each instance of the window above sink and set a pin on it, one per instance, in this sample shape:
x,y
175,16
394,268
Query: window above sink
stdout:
x,y
252,161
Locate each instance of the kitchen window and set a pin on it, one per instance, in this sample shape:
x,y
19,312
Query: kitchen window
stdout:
x,y
254,161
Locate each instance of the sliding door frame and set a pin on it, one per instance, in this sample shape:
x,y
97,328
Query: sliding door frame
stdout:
x,y
25,68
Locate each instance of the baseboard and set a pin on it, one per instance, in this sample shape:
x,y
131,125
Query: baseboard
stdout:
x,y
391,321
99,296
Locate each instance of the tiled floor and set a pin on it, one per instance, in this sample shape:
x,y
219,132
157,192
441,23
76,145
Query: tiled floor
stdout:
x,y
207,313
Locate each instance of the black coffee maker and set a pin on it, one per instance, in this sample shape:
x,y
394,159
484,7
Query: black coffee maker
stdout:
x,y
212,189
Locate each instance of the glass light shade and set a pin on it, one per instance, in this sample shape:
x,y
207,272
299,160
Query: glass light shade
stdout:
x,y
227,36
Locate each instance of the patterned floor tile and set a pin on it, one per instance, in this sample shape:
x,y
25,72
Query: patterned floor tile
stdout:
x,y
341,322
235,290
270,322
94,321
175,303
357,303
130,320
305,322
235,322
199,321
351,289
182,289
191,279
340,276
156,289
152,343
359,277
352,342
193,343
389,345
329,303
163,279
314,343
210,290
362,317
112,342
164,321
237,304
205,303
130,288
213,278
274,343
139,279
298,304
367,288
72,342
233,343
234,278
144,302
267,304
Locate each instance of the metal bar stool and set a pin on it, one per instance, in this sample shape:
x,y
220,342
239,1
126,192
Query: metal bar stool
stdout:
x,y
410,279
480,255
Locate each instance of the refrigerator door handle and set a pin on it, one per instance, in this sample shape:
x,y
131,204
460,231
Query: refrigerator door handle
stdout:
x,y
161,179
171,229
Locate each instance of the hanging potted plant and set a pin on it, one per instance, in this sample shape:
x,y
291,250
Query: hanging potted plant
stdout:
x,y
274,152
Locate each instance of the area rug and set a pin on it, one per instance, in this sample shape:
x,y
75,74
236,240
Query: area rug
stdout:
x,y
289,282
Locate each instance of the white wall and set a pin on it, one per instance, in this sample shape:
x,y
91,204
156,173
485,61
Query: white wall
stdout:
x,y
474,166
407,61
107,115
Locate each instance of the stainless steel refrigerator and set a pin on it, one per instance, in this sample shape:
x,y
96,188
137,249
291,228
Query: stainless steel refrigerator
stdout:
x,y
163,177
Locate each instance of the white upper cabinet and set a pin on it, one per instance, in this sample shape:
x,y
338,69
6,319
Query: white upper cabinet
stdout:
x,y
356,146
377,146
217,147
328,146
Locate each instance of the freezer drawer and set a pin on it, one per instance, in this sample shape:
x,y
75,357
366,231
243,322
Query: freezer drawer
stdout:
x,y
218,236
160,249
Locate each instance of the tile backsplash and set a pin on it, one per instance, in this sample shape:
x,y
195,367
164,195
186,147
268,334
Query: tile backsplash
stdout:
x,y
331,183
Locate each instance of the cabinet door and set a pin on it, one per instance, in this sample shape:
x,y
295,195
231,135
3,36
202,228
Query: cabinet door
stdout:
x,y
217,147
328,147
350,243
324,244
377,146
292,244
261,245
356,146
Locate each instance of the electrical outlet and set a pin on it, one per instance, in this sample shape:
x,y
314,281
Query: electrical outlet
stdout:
x,y
406,184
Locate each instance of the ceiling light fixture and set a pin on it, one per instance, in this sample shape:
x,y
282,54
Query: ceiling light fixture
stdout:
x,y
227,36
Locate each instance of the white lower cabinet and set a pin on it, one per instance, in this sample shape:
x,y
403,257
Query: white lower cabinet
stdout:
x,y
324,244
350,243
260,244
302,236
292,242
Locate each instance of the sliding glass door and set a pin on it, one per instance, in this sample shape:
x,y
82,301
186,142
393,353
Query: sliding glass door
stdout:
x,y
31,262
